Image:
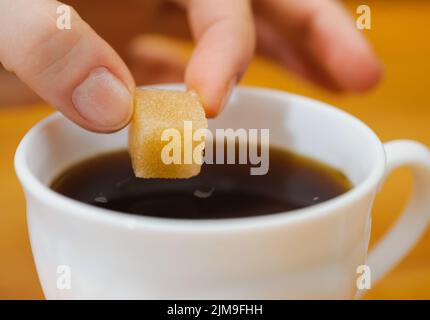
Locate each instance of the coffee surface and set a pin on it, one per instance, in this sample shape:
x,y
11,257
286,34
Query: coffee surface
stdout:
x,y
219,191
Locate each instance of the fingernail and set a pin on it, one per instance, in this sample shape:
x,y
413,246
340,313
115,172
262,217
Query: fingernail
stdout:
x,y
103,100
226,97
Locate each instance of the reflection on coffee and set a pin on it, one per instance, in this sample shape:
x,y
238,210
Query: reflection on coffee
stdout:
x,y
219,191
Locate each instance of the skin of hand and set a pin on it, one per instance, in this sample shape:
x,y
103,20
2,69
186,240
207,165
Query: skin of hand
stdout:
x,y
86,79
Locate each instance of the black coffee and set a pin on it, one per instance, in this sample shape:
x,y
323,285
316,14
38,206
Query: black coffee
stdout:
x,y
219,191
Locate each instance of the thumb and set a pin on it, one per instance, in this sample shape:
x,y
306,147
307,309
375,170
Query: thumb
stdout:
x,y
73,69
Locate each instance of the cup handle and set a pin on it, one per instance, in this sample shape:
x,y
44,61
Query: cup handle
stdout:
x,y
413,222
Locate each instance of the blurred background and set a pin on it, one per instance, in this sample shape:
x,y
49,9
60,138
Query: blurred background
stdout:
x,y
398,108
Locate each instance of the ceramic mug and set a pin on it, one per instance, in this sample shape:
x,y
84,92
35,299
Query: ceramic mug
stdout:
x,y
84,252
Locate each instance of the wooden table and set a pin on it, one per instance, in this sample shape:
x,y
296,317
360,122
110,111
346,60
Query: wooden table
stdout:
x,y
399,108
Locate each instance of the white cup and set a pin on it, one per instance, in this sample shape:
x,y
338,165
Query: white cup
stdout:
x,y
86,252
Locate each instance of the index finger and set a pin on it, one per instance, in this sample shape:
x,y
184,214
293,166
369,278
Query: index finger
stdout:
x,y
225,35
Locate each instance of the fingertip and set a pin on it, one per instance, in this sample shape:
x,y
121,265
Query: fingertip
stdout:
x,y
359,71
213,95
347,58
369,75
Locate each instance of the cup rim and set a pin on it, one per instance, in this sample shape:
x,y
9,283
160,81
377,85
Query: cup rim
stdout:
x,y
33,186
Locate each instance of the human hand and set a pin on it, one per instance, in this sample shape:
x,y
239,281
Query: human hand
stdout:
x,y
79,73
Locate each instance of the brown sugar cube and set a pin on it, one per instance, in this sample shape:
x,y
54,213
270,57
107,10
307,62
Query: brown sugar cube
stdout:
x,y
167,134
